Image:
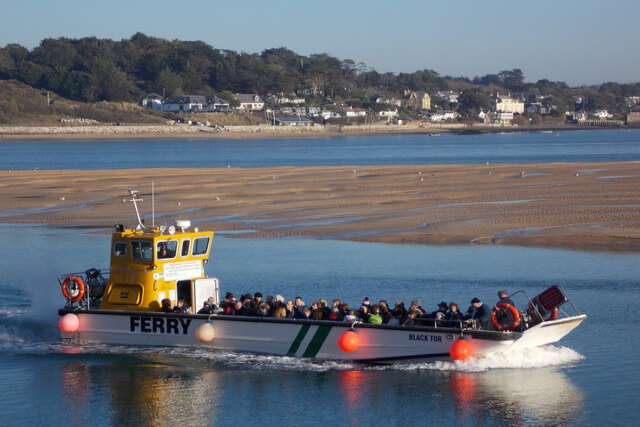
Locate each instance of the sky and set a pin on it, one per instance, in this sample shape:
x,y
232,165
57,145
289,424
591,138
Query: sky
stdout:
x,y
580,42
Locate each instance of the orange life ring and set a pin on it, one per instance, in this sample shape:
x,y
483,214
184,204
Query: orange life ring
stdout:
x,y
533,313
73,288
514,312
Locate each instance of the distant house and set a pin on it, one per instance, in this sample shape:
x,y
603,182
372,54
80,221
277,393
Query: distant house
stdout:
x,y
507,104
314,111
195,104
381,99
449,95
183,104
293,121
442,116
633,117
388,114
284,99
249,102
353,112
327,115
502,117
603,115
153,101
418,100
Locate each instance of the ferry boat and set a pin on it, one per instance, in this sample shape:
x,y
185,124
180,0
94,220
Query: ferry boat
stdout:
x,y
149,265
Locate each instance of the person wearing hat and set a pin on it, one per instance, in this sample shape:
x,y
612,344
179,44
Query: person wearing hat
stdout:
x,y
481,314
441,312
207,308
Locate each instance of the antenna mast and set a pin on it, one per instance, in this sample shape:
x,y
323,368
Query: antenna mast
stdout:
x,y
135,199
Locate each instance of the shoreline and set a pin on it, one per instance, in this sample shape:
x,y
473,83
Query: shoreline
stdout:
x,y
584,206
180,131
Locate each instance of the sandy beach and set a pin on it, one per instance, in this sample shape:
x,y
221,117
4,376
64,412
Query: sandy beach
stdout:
x,y
564,205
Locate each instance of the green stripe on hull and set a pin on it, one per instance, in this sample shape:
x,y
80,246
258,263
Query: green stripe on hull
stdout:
x,y
295,345
316,342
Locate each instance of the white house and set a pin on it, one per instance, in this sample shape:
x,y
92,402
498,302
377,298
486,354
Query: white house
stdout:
x,y
330,115
388,114
183,104
353,112
508,105
450,96
603,115
442,116
249,102
153,101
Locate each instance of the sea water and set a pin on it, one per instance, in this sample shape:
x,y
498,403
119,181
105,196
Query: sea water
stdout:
x,y
528,147
589,378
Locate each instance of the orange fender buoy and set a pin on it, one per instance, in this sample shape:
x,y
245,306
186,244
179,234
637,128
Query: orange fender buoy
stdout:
x,y
461,350
73,288
69,323
349,341
514,313
205,332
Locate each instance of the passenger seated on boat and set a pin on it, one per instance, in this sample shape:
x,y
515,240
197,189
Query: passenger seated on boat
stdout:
x,y
263,310
416,305
481,314
363,313
344,309
384,311
323,306
181,307
239,309
411,318
396,318
503,297
351,316
256,301
441,312
290,309
335,314
207,308
280,312
400,306
316,315
374,317
454,313
166,306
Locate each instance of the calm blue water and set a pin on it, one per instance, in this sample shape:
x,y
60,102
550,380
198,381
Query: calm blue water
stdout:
x,y
569,146
590,378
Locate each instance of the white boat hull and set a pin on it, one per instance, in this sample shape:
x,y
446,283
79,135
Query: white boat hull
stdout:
x,y
304,338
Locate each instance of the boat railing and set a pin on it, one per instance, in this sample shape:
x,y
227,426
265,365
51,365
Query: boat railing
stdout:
x,y
546,306
84,289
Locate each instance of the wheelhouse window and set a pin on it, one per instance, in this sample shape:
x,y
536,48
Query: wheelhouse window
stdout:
x,y
166,249
200,245
120,249
142,250
185,247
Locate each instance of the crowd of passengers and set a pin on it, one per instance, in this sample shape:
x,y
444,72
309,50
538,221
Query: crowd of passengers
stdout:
x,y
415,315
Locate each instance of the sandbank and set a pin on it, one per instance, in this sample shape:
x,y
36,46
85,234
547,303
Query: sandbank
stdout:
x,y
590,206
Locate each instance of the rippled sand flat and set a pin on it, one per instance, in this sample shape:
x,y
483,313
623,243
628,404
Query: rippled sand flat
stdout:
x,y
572,205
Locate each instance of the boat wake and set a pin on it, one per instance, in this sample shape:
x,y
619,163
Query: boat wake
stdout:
x,y
538,357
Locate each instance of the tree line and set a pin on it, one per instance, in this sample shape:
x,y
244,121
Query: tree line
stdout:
x,y
91,69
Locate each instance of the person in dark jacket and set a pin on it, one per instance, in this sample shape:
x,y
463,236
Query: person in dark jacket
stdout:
x,y
503,297
481,314
453,314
